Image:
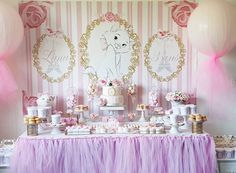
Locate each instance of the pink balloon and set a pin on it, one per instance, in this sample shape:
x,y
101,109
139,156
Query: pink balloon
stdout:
x,y
212,27
11,30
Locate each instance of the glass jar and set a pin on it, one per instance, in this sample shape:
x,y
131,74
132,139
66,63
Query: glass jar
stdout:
x,y
32,129
197,127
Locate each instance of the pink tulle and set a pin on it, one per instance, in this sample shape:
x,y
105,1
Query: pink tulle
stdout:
x,y
7,85
215,88
115,154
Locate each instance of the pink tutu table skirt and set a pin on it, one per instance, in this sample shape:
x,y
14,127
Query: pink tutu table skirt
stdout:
x,y
115,154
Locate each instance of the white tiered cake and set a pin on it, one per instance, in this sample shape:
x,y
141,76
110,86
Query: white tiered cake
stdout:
x,y
113,95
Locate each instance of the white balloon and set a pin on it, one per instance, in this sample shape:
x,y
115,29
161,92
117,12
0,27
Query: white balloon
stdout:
x,y
11,29
212,27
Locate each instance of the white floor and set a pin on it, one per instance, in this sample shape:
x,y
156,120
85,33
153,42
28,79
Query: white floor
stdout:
x,y
4,170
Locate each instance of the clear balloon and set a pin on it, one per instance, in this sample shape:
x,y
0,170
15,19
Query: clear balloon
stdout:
x,y
212,27
11,35
212,31
11,30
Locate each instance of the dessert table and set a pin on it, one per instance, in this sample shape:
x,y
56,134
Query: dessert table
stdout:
x,y
115,153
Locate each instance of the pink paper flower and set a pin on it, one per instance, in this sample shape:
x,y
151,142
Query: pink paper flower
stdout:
x,y
105,119
69,121
121,118
177,96
131,116
33,13
181,11
132,89
102,101
109,16
93,116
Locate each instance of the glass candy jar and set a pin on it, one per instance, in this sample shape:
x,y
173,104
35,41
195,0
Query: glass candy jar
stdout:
x,y
32,125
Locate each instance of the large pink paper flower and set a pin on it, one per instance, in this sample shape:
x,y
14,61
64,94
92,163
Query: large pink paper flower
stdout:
x,y
181,11
33,13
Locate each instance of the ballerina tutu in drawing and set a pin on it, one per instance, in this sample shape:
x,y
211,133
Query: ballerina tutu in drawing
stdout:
x,y
115,42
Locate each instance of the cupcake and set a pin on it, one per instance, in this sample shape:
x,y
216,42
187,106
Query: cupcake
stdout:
x,y
142,107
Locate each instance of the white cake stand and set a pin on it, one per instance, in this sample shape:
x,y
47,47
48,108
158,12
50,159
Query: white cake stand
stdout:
x,y
174,124
56,128
185,111
142,118
186,126
112,109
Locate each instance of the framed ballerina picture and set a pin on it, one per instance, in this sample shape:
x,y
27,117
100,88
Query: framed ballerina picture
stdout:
x,y
109,48
164,56
54,56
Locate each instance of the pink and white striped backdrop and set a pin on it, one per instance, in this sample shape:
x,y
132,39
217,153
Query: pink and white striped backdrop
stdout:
x,y
72,17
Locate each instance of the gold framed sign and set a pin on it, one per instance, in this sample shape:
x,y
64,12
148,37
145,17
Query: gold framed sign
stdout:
x,y
54,56
164,56
109,48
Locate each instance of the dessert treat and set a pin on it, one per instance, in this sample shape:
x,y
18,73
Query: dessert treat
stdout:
x,y
142,107
56,119
152,130
133,127
131,116
32,125
32,111
160,130
159,111
42,112
197,118
197,122
122,129
81,108
78,130
32,120
153,119
113,95
100,130
69,121
144,129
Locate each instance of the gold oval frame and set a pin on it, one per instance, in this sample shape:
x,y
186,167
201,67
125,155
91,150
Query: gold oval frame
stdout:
x,y
181,61
83,46
36,61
